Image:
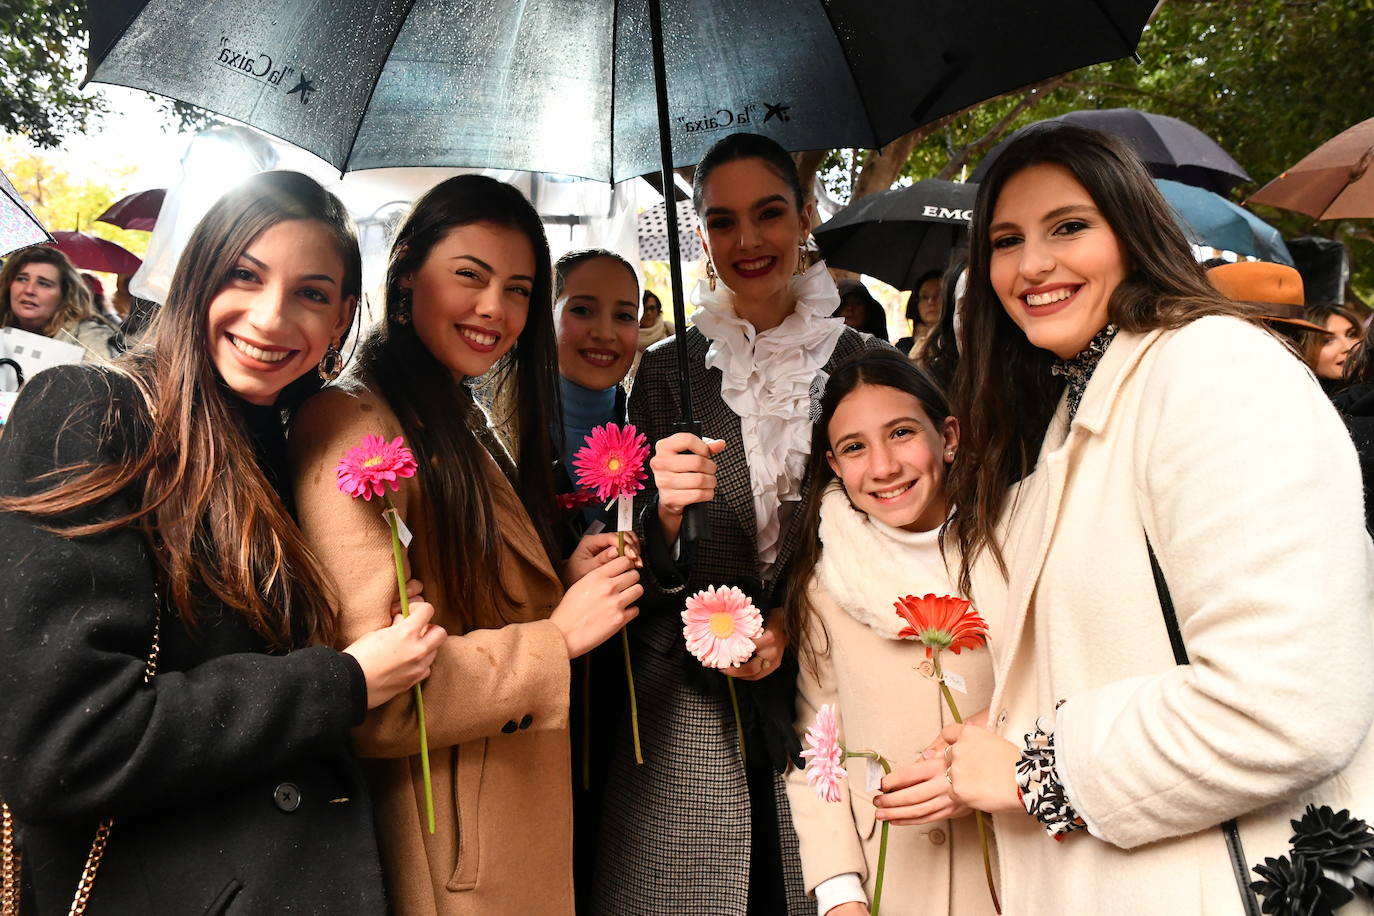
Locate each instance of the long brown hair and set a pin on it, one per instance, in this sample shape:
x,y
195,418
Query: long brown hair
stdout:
x,y
885,368
441,421
1313,341
215,522
1003,390
76,301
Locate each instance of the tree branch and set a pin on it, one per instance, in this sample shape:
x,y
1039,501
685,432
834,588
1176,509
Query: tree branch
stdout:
x,y
1034,96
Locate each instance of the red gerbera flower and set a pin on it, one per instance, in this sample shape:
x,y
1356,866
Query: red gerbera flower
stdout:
x,y
612,461
943,622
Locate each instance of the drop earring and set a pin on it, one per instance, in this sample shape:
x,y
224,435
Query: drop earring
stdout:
x,y
801,259
710,275
331,364
400,311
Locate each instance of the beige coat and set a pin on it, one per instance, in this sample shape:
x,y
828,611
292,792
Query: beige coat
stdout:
x,y
1218,443
885,700
496,703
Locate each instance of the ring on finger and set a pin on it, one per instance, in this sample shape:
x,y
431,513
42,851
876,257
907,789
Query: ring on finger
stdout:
x,y
948,778
948,749
766,663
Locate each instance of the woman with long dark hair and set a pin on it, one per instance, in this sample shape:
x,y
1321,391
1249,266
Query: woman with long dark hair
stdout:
x,y
694,830
1326,352
468,295
1159,516
881,446
157,600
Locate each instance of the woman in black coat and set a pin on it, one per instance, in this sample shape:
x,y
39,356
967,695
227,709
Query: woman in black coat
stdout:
x,y
145,524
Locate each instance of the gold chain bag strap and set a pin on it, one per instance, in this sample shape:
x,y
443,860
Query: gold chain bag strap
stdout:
x,y
9,903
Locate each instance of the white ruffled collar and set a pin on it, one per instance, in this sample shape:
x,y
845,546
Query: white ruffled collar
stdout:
x,y
766,380
866,565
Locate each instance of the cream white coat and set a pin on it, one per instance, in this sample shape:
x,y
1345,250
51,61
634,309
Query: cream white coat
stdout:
x,y
1220,445
885,700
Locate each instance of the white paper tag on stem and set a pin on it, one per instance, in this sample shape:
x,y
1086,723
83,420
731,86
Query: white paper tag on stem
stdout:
x,y
955,682
873,781
401,530
625,514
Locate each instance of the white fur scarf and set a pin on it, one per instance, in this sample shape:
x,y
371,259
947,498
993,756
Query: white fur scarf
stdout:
x,y
866,565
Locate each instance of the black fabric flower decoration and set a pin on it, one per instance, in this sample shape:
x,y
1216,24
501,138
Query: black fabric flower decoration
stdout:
x,y
1297,888
1334,840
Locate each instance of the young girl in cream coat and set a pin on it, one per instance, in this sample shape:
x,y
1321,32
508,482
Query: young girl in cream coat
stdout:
x,y
880,447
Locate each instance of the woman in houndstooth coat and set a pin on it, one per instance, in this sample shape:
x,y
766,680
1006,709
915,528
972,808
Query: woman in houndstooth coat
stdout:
x,y
693,830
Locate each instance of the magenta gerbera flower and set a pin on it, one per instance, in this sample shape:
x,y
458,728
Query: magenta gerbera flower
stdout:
x,y
368,469
612,461
721,625
825,757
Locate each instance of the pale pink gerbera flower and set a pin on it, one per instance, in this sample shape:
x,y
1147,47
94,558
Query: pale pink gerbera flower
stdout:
x,y
721,625
825,757
612,461
368,469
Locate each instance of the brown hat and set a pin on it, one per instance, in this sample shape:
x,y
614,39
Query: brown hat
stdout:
x,y
1275,286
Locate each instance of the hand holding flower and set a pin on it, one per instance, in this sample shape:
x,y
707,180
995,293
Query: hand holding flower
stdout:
x,y
597,550
982,768
768,652
918,793
598,605
398,657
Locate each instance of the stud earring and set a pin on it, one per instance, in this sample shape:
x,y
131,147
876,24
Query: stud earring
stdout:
x,y
949,454
400,311
710,275
331,364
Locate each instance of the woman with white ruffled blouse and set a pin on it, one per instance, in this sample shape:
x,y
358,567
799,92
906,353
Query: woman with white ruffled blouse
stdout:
x,y
880,448
694,830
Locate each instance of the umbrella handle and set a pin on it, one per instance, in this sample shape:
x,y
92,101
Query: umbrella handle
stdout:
x,y
18,371
696,524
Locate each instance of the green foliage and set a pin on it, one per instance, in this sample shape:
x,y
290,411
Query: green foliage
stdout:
x,y
41,65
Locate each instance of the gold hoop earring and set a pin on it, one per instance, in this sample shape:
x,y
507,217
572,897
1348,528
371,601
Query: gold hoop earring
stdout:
x,y
710,275
331,364
801,259
400,311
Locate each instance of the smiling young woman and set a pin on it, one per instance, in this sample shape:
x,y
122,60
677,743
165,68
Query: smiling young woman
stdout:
x,y
1118,413
762,335
468,295
147,526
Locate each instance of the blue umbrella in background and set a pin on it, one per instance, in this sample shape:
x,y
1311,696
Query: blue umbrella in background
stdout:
x,y
19,228
1212,220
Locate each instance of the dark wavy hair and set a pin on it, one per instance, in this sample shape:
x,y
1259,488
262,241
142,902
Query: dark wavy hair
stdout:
x,y
441,420
1003,387
217,524
883,367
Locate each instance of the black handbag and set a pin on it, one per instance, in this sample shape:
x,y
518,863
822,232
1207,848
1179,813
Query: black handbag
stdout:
x,y
1249,901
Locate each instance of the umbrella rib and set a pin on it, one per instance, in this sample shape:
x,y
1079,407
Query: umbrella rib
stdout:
x,y
362,116
844,54
615,36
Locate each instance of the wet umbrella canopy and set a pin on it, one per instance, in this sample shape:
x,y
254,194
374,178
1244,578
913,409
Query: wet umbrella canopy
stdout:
x,y
1211,219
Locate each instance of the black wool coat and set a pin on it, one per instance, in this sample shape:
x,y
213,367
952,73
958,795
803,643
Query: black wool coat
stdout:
x,y
229,776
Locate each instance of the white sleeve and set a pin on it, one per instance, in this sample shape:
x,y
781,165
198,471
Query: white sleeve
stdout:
x,y
846,888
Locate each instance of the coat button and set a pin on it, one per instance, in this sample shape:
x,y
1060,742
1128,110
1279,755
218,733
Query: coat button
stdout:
x,y
287,797
937,836
526,722
1001,718
510,727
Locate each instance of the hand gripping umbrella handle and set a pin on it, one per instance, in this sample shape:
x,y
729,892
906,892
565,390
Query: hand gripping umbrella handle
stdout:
x,y
696,524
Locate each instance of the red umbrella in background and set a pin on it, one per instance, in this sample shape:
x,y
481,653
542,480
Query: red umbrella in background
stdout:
x,y
90,253
136,211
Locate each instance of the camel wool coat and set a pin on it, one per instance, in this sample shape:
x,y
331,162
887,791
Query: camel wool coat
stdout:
x,y
1218,444
886,700
496,701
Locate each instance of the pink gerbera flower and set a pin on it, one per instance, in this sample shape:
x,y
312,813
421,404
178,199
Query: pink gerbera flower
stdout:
x,y
612,461
721,625
825,757
368,469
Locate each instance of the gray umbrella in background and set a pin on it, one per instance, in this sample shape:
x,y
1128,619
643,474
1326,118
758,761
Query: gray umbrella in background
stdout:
x,y
19,228
603,89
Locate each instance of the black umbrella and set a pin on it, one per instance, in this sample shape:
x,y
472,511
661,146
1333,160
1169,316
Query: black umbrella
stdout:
x,y
605,89
901,234
1172,149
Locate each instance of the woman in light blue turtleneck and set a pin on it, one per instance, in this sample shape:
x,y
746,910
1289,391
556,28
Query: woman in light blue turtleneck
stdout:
x,y
596,315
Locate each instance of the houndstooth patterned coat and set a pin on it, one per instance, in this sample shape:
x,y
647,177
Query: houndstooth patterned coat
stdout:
x,y
675,835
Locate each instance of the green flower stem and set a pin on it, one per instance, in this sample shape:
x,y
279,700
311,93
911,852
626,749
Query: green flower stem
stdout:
x,y
882,837
629,669
739,723
391,520
977,815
